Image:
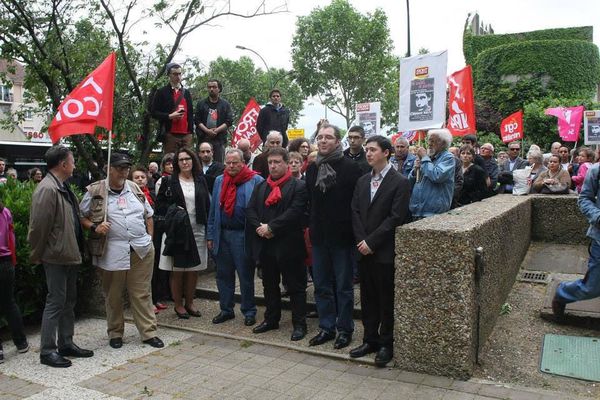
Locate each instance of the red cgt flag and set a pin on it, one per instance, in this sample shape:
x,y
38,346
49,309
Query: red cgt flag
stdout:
x,y
511,128
89,105
246,127
461,106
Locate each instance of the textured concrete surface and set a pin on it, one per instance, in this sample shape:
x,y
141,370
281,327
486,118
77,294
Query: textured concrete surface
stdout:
x,y
557,219
439,326
553,257
205,367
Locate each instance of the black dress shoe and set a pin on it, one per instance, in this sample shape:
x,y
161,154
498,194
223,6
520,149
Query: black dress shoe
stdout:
x,y
343,340
384,356
193,313
116,343
298,333
222,317
363,350
312,314
55,360
155,342
182,315
321,338
75,351
264,327
249,321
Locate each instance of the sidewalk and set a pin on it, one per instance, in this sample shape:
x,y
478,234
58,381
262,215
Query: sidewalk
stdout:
x,y
199,366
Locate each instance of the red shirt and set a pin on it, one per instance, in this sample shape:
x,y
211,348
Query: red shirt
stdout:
x,y
180,126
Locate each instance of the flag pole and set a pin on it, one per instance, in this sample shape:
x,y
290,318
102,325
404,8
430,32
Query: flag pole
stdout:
x,y
107,175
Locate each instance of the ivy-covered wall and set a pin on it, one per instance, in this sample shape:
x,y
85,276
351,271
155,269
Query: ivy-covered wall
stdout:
x,y
473,45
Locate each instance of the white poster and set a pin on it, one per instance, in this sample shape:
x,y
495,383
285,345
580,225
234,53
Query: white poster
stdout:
x,y
368,115
423,91
591,126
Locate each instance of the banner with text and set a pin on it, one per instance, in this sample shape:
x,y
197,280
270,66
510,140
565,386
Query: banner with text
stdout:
x,y
511,128
461,105
368,115
246,127
569,121
423,91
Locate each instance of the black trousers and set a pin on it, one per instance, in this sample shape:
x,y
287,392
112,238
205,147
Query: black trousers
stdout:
x,y
8,305
377,301
294,274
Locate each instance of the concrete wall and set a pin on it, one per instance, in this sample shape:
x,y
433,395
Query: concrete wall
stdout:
x,y
436,306
557,219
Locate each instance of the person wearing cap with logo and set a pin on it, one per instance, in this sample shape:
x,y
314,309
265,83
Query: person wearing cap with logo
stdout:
x,y
172,107
120,220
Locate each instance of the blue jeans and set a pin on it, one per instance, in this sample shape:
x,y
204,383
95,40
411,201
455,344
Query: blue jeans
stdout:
x,y
586,288
231,257
332,270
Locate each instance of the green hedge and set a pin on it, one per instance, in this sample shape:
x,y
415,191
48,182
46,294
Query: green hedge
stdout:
x,y
575,71
30,286
473,45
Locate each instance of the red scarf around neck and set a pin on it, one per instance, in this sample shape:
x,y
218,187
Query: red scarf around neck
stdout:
x,y
229,188
146,192
275,194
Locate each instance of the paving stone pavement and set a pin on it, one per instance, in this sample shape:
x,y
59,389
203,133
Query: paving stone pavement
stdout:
x,y
198,366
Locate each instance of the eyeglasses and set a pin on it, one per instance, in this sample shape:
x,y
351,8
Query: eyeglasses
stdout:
x,y
325,137
186,159
514,149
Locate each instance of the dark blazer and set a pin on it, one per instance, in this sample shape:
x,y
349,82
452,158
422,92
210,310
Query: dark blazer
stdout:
x,y
215,169
163,105
375,221
170,192
261,164
286,219
505,175
330,213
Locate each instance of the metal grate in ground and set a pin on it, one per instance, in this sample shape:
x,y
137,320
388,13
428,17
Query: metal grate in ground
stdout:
x,y
534,277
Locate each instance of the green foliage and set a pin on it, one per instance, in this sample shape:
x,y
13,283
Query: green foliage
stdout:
x,y
30,285
473,45
242,80
345,69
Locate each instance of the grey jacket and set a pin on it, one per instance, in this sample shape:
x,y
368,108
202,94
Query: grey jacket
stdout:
x,y
589,202
53,229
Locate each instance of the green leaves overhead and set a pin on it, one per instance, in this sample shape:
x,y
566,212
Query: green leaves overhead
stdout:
x,y
345,58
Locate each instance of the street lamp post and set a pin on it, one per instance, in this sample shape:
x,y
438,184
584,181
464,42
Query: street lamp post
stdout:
x,y
408,26
262,59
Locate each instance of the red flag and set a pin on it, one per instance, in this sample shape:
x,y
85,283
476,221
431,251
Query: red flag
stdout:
x,y
511,128
569,121
246,127
89,105
461,120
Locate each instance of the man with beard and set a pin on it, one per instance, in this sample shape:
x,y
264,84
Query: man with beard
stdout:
x,y
433,176
213,117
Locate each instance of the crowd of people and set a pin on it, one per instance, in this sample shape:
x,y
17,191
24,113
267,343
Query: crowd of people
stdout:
x,y
294,212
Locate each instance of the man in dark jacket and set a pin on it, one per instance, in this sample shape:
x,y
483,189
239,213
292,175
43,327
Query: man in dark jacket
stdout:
x,y
379,205
355,152
213,118
210,167
273,117
330,182
274,232
172,107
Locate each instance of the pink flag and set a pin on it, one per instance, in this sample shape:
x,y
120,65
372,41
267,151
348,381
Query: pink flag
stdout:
x,y
569,121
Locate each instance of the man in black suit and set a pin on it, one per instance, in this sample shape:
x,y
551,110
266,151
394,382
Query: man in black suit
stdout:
x,y
210,167
379,205
330,182
274,231
508,166
172,107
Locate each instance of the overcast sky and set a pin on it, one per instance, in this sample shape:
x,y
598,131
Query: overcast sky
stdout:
x,y
435,24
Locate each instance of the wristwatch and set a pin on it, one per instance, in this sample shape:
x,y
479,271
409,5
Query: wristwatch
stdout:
x,y
93,227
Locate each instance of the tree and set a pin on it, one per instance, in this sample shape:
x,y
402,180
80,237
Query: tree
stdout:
x,y
242,80
60,41
344,69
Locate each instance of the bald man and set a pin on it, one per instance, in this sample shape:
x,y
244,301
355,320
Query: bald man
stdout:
x,y
245,146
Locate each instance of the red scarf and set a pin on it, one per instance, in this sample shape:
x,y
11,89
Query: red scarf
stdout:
x,y
275,194
304,166
229,188
147,194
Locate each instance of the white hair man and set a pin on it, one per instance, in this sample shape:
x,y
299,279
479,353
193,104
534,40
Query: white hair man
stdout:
x,y
261,165
433,176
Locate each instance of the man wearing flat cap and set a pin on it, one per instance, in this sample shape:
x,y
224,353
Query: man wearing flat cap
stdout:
x,y
172,107
119,217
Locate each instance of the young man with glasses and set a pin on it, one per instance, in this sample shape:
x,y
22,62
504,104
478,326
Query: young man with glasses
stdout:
x,y
356,152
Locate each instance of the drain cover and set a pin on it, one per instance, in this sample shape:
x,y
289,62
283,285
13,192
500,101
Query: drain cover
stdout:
x,y
534,277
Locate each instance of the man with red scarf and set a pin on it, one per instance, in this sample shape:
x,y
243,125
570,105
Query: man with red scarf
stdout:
x,y
274,229
226,238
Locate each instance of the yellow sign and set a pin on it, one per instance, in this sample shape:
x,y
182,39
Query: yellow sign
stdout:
x,y
295,133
